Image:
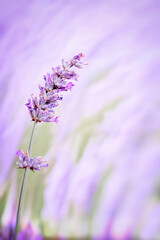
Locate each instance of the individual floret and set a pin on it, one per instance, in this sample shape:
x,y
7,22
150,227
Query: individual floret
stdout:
x,y
31,163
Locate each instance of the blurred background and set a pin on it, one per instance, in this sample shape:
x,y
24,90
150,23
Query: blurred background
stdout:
x,y
104,175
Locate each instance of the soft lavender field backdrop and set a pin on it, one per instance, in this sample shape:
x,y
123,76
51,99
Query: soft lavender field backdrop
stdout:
x,y
104,154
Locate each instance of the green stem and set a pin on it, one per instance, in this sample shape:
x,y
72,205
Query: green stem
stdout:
x,y
21,197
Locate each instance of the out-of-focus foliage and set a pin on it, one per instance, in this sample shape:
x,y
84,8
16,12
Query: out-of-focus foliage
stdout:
x,y
104,154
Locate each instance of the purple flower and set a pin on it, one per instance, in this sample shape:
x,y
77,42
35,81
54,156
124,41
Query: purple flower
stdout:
x,y
42,109
31,163
7,233
28,233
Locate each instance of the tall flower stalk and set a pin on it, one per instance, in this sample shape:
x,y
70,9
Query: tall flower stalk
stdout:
x,y
21,197
42,110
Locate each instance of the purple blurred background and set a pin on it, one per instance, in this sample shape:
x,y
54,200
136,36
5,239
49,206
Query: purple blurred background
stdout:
x,y
104,154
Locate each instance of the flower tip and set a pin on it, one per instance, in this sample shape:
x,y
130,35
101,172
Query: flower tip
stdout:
x,y
19,152
29,101
56,120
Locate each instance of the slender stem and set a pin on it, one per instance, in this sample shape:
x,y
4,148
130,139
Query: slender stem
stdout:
x,y
21,197
31,139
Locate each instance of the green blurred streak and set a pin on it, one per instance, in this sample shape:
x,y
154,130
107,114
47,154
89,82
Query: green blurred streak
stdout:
x,y
87,128
101,75
3,201
98,193
42,138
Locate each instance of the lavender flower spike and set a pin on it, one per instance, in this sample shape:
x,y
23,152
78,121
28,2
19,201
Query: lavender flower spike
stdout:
x,y
31,163
42,109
